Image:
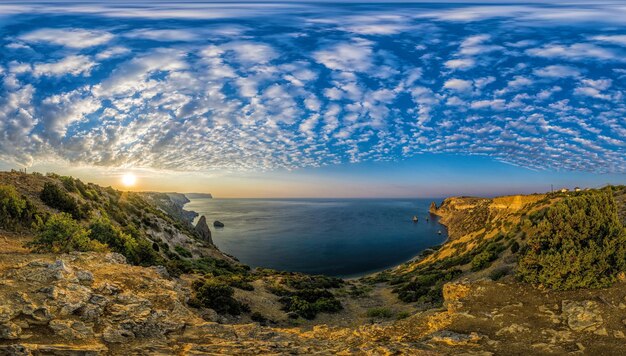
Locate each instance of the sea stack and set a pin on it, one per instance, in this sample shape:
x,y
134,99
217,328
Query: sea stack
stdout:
x,y
202,229
218,223
433,208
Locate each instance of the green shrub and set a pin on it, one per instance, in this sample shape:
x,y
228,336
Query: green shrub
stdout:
x,y
403,315
138,251
211,293
259,318
57,198
498,273
303,281
308,302
183,252
15,210
381,312
62,234
481,260
514,247
579,242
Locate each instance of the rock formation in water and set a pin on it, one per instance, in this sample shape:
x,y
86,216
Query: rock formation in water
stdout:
x,y
433,208
218,223
202,228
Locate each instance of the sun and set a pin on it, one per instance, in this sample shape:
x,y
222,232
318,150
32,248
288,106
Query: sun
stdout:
x,y
129,179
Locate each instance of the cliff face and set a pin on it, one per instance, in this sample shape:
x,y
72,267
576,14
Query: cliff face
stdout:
x,y
202,228
172,204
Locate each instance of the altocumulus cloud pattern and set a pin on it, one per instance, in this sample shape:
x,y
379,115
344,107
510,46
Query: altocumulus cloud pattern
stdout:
x,y
265,86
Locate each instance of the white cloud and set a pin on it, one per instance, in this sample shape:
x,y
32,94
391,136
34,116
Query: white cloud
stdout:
x,y
594,88
613,39
60,111
557,71
577,51
459,85
462,63
132,75
163,35
250,52
72,38
112,52
72,65
346,57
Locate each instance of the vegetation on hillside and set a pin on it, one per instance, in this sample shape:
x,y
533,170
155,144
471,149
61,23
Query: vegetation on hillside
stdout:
x,y
578,242
306,296
16,211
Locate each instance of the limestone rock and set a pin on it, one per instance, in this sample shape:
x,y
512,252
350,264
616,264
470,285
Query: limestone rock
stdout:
x,y
202,229
582,316
455,339
218,223
10,331
115,257
117,335
71,330
433,208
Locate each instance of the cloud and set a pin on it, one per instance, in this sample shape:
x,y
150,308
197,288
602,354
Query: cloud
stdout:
x,y
72,38
164,35
462,63
71,65
286,86
576,52
613,39
557,71
459,85
346,57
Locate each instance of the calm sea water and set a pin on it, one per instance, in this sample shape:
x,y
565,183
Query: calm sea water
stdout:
x,y
336,237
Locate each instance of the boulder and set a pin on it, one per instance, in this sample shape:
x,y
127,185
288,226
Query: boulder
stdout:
x,y
218,223
202,229
582,316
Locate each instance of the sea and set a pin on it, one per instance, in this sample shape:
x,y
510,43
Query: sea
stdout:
x,y
336,237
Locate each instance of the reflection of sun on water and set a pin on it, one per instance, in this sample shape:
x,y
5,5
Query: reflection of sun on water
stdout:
x,y
129,180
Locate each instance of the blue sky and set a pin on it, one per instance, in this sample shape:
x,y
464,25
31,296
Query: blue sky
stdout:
x,y
269,99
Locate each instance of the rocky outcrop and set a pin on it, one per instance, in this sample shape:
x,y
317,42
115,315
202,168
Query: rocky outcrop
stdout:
x,y
202,229
172,204
433,208
218,223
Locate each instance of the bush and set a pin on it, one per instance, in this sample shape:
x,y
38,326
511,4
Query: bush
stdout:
x,y
308,302
183,252
579,242
138,251
15,210
514,247
379,313
216,295
259,318
481,260
403,315
498,273
57,198
62,234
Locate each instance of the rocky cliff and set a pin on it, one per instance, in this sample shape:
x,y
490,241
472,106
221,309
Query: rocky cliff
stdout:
x,y
202,228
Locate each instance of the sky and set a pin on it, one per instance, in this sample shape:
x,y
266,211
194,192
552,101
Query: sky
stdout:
x,y
299,99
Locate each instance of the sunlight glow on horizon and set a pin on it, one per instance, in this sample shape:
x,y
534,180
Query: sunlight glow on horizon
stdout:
x,y
129,180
